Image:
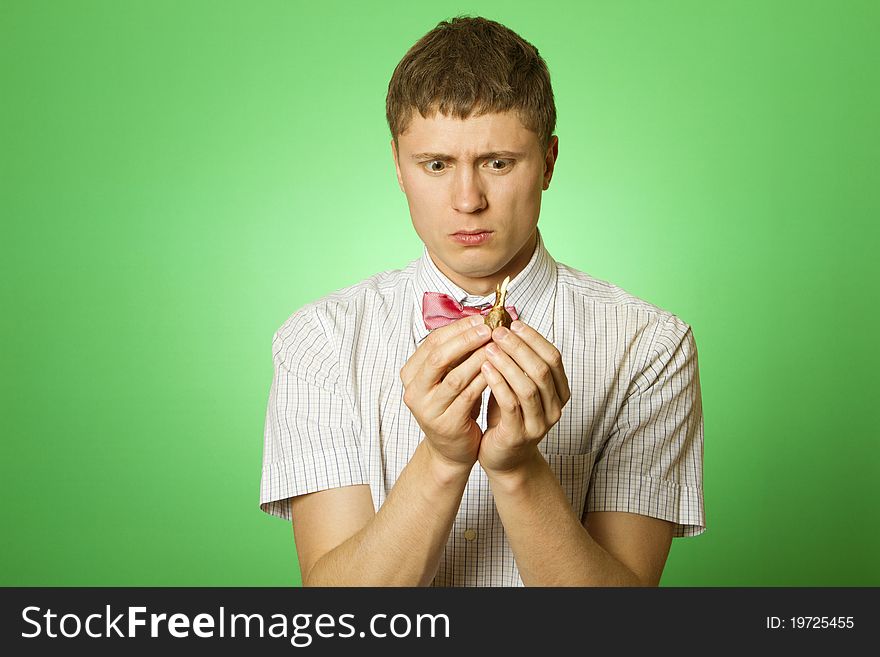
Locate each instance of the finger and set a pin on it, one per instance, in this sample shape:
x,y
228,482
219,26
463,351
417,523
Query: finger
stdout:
x,y
506,399
464,357
456,380
467,399
527,392
457,362
441,355
535,369
548,353
435,338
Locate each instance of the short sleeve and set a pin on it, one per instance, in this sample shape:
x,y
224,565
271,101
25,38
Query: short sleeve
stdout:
x,y
652,462
310,441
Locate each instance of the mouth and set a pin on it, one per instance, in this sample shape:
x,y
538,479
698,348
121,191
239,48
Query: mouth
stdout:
x,y
472,238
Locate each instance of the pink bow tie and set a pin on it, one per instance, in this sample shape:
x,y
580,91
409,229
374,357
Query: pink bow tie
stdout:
x,y
440,309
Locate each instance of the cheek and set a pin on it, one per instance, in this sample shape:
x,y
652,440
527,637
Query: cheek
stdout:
x,y
423,193
518,193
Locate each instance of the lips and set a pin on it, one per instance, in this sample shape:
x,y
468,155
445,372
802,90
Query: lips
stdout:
x,y
472,238
472,232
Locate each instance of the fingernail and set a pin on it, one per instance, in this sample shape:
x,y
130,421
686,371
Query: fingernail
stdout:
x,y
483,331
516,326
501,332
478,319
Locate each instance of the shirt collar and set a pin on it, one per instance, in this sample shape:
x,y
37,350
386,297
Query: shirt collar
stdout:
x,y
532,292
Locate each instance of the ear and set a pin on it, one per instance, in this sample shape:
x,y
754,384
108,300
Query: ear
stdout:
x,y
397,166
550,160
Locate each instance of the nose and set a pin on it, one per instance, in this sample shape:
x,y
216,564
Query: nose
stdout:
x,y
467,192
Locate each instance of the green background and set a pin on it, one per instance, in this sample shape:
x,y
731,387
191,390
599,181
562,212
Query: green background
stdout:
x,y
178,178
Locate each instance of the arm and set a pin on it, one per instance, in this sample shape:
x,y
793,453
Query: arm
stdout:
x,y
341,541
553,548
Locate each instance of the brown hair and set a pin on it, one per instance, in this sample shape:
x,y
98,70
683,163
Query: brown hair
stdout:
x,y
472,66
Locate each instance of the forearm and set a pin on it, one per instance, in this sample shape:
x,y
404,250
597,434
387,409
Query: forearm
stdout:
x,y
401,545
549,543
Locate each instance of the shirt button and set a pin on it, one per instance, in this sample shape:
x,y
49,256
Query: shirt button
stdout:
x,y
470,534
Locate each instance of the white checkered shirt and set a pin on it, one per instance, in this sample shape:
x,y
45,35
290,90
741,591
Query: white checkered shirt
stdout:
x,y
630,438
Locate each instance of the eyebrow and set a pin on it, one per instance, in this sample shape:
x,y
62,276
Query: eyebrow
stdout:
x,y
481,156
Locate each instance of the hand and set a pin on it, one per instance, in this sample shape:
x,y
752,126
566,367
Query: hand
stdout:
x,y
442,385
529,390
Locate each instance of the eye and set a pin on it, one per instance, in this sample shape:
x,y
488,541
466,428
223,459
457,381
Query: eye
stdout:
x,y
503,165
435,166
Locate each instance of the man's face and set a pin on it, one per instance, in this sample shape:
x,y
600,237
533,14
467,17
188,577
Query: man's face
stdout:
x,y
484,173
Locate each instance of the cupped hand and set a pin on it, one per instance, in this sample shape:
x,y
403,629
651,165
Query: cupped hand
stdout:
x,y
443,385
529,389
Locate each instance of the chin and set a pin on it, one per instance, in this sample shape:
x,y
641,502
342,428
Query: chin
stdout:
x,y
482,269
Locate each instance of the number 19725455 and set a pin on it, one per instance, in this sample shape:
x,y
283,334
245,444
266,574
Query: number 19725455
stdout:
x,y
810,622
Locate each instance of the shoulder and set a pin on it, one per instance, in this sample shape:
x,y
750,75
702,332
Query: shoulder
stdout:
x,y
318,321
601,297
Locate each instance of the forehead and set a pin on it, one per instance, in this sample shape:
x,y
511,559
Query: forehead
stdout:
x,y
498,131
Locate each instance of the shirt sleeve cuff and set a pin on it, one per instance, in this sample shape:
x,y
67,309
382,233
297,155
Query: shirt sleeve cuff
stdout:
x,y
666,500
282,480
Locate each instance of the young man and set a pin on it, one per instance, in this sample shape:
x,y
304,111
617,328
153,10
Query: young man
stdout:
x,y
413,446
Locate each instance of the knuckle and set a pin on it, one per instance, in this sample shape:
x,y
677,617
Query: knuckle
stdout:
x,y
543,372
473,338
454,380
435,359
555,359
530,393
471,395
431,343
